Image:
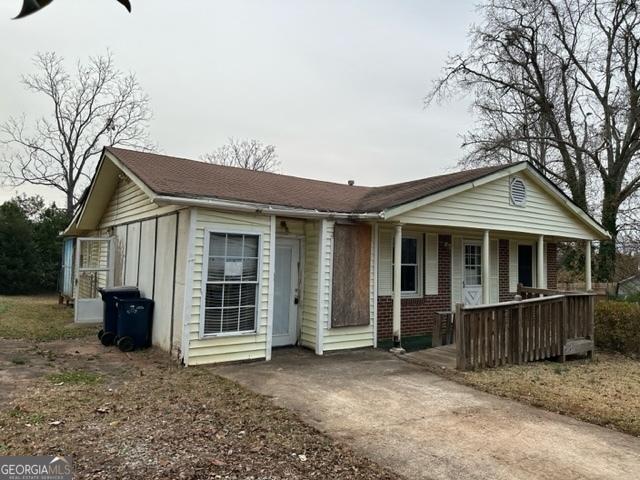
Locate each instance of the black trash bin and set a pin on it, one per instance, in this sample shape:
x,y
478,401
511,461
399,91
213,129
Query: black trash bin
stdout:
x,y
135,316
110,316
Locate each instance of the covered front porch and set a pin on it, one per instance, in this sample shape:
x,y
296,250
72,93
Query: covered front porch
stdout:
x,y
492,292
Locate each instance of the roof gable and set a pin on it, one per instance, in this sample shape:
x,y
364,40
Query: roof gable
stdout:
x,y
486,204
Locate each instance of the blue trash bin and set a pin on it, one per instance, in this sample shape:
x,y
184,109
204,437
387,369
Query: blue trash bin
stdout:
x,y
135,317
110,313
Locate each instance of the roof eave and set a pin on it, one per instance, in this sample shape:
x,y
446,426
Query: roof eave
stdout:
x,y
239,206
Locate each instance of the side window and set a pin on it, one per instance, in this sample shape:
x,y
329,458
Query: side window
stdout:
x,y
231,283
409,265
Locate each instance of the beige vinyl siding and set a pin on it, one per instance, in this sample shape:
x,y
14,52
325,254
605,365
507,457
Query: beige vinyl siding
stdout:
x,y
131,219
343,337
228,348
310,286
289,226
488,207
130,203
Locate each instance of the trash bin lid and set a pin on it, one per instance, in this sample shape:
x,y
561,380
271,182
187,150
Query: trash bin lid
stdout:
x,y
110,292
117,289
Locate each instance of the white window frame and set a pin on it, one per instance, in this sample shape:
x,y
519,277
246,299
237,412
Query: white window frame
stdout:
x,y
205,274
419,238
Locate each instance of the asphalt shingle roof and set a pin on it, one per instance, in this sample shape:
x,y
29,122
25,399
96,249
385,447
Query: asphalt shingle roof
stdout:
x,y
172,176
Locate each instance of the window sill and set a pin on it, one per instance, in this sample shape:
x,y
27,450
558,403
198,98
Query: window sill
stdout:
x,y
208,336
404,295
410,295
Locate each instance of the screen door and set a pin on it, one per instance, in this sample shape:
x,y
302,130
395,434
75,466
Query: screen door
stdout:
x,y
94,270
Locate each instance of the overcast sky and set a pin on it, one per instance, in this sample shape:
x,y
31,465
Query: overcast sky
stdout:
x,y
337,86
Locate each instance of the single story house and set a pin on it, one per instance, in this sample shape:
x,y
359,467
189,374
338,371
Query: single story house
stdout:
x,y
240,262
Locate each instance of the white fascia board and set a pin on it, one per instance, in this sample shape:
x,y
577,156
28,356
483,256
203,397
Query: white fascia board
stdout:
x,y
113,159
80,212
258,208
72,226
407,207
134,178
552,190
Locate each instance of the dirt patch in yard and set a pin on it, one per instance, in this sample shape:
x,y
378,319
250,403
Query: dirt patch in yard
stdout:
x,y
140,415
605,391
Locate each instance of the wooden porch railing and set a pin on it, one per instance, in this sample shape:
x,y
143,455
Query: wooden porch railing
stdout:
x,y
537,328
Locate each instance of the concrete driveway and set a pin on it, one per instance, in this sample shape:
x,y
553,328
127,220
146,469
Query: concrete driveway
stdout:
x,y
424,426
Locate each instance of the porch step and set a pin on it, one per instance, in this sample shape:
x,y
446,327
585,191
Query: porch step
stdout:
x,y
578,346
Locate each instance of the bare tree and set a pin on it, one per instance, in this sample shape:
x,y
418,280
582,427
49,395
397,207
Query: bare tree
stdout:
x,y
97,106
557,82
249,154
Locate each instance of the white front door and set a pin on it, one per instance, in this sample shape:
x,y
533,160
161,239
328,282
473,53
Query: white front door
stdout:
x,y
285,298
472,273
94,270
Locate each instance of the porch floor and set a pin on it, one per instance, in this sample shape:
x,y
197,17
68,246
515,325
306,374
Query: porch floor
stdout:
x,y
440,357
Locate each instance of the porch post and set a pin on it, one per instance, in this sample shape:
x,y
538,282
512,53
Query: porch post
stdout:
x,y
587,265
485,269
541,281
397,287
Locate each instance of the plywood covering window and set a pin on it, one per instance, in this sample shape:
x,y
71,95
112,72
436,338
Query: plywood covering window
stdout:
x,y
231,290
351,275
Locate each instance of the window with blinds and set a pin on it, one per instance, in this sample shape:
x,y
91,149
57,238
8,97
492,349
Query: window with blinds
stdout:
x,y
231,283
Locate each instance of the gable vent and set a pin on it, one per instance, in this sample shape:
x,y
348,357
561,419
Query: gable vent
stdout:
x,y
518,192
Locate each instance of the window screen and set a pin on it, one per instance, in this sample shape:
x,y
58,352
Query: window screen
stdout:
x,y
231,283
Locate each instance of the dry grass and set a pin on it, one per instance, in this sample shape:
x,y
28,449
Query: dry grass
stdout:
x,y
605,392
141,416
38,318
153,420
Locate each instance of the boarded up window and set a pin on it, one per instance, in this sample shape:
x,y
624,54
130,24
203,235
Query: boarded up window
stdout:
x,y
351,276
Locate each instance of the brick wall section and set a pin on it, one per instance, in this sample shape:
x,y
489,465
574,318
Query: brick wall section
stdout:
x,y
418,314
552,265
504,294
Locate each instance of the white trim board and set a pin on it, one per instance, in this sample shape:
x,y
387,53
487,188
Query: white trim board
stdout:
x,y
270,293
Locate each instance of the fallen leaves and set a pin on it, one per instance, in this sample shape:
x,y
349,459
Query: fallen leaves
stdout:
x,y
170,423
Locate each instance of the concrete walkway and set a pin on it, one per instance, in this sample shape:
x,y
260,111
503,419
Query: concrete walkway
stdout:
x,y
424,426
